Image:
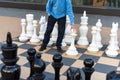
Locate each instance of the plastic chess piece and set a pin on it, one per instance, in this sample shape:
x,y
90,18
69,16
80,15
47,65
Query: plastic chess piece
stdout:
x,y
10,71
31,52
35,38
43,27
73,74
83,31
113,75
72,49
38,67
57,64
98,35
23,37
29,27
93,46
88,70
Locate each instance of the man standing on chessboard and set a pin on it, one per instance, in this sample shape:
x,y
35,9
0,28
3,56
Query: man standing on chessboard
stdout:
x,y
57,11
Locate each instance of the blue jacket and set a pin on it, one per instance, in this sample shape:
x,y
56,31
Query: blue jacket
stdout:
x,y
60,8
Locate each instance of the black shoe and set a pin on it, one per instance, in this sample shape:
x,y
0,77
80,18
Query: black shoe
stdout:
x,y
59,49
42,48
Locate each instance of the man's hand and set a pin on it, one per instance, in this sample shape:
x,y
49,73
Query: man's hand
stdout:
x,y
73,28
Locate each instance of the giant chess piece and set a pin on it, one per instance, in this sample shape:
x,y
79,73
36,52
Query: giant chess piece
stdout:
x,y
73,74
115,29
10,71
111,51
72,49
93,46
29,27
83,31
35,38
23,37
38,66
43,27
31,58
88,70
98,35
113,75
38,70
68,37
57,64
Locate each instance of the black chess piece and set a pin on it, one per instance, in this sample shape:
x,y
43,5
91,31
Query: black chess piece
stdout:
x,y
31,52
38,67
113,75
10,71
57,64
88,70
73,74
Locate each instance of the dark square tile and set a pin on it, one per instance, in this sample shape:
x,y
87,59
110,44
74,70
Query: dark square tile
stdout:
x,y
68,61
54,51
104,47
85,56
49,76
104,68
81,50
27,46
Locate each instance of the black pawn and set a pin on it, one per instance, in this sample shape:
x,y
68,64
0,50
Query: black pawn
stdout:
x,y
31,52
10,71
57,64
88,70
38,67
113,75
73,74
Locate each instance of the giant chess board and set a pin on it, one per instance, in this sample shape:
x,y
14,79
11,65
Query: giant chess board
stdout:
x,y
103,64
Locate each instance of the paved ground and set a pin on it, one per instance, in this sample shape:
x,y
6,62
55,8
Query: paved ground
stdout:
x,y
20,13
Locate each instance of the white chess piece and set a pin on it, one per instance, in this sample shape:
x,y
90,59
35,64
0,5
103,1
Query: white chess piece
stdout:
x,y
23,36
83,31
68,37
111,51
114,30
72,49
43,26
93,47
116,38
29,28
35,38
98,35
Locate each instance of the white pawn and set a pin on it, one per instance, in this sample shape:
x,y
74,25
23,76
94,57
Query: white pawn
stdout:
x,y
29,28
111,52
72,49
43,26
35,38
93,47
98,35
23,36
83,31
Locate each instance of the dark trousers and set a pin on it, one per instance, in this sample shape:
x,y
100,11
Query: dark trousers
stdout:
x,y
61,30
